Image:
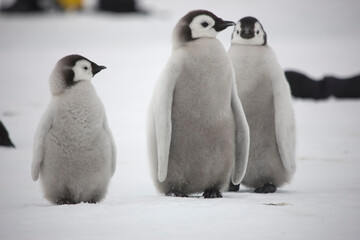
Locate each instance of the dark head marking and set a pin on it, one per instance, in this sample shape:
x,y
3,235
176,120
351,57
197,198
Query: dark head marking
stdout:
x,y
248,28
70,70
204,24
184,33
68,62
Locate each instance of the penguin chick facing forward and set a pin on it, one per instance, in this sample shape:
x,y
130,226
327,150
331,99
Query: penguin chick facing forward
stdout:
x,y
197,132
265,95
74,151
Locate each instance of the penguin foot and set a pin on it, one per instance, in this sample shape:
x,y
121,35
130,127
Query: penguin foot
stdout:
x,y
234,188
97,197
212,193
176,194
64,201
267,188
92,201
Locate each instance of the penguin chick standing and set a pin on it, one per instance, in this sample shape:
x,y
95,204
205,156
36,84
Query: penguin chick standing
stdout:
x,y
265,95
74,151
197,132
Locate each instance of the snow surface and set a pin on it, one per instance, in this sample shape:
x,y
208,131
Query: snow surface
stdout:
x,y
323,200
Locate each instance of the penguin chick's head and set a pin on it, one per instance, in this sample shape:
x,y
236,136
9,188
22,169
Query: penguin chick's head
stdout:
x,y
249,31
198,24
70,70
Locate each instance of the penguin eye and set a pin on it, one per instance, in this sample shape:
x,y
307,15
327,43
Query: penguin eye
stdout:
x,y
204,24
257,32
237,32
86,68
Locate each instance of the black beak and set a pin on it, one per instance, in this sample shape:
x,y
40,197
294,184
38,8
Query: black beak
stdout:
x,y
96,68
247,33
221,25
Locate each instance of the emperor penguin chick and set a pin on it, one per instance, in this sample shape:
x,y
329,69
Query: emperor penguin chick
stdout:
x,y
197,132
265,95
74,151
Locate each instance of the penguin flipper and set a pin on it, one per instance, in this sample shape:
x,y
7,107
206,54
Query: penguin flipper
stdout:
x,y
38,147
242,139
161,111
113,146
284,120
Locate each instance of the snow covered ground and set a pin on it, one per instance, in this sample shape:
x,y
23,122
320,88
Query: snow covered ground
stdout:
x,y
322,201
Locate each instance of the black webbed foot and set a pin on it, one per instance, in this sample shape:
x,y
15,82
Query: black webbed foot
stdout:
x,y
267,188
93,201
97,196
64,201
234,188
212,193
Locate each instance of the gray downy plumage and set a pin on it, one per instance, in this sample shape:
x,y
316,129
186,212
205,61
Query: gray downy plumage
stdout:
x,y
197,132
265,95
74,151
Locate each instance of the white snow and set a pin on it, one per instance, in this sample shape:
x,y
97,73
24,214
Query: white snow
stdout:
x,y
323,200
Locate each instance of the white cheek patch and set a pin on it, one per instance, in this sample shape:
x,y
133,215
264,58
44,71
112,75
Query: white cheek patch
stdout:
x,y
257,40
81,73
198,31
236,33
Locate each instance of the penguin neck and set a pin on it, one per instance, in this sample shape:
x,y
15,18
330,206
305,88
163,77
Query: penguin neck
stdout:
x,y
80,90
251,51
78,102
78,107
209,48
249,45
197,43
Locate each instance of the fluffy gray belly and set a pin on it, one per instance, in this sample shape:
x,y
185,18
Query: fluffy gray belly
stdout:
x,y
80,163
264,163
202,153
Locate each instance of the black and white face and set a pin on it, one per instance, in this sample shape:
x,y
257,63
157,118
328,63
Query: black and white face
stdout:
x,y
249,31
199,24
78,68
82,70
203,26
70,70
